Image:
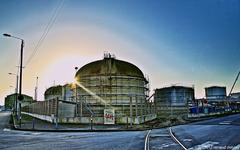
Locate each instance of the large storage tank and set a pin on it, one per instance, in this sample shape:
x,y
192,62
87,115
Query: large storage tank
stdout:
x,y
118,85
235,95
215,92
62,92
173,101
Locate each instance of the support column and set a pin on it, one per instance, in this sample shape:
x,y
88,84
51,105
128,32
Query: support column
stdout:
x,y
131,115
136,106
141,110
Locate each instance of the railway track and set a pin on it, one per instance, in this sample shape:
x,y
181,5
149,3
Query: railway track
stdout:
x,y
169,134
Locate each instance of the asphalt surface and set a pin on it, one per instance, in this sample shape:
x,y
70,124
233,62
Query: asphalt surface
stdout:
x,y
220,133
22,140
161,139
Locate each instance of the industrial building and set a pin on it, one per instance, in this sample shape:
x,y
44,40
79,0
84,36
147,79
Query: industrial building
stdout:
x,y
173,101
10,100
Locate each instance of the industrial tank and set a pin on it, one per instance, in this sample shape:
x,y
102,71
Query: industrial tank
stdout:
x,y
173,101
62,92
112,83
215,92
174,96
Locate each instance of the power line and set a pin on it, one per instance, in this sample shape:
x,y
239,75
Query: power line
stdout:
x,y
46,31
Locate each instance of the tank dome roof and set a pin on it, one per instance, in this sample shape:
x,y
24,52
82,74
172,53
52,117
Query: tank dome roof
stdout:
x,y
109,66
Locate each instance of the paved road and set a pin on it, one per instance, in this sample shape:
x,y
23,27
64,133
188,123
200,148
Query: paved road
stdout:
x,y
212,134
87,141
220,133
160,139
19,140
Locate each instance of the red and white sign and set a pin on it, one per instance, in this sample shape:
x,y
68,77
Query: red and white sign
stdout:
x,y
109,116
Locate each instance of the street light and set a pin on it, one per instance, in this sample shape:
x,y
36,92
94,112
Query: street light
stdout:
x,y
76,96
20,97
16,92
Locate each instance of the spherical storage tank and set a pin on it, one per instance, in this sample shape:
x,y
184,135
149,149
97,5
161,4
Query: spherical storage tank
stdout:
x,y
117,83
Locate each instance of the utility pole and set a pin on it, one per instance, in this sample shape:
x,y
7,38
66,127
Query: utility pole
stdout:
x,y
56,115
76,95
36,88
20,97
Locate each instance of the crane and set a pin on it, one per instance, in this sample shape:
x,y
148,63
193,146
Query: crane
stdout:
x,y
228,97
234,84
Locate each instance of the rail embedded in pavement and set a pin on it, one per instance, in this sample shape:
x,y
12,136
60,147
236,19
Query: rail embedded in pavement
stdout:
x,y
175,139
146,145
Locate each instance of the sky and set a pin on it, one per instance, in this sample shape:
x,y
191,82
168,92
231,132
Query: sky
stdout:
x,y
189,42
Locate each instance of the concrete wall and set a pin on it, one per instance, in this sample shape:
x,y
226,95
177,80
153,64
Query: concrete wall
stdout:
x,y
66,110
167,112
96,120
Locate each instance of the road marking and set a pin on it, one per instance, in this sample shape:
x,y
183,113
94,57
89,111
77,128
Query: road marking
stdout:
x,y
175,139
225,122
206,145
165,145
146,145
187,140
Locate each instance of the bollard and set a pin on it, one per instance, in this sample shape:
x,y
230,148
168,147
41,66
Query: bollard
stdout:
x,y
20,121
127,122
91,123
33,123
56,123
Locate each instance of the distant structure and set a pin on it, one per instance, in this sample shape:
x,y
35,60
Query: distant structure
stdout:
x,y
235,95
10,101
173,101
215,93
62,92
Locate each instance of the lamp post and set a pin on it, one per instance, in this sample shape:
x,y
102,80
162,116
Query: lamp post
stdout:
x,y
76,100
20,97
16,92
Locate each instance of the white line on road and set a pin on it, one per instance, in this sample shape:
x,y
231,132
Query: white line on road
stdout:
x,y
146,145
226,122
175,139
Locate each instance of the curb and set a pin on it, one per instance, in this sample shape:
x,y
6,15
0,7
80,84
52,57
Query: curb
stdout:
x,y
87,130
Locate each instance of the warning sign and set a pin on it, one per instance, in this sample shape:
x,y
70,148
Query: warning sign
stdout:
x,y
109,116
